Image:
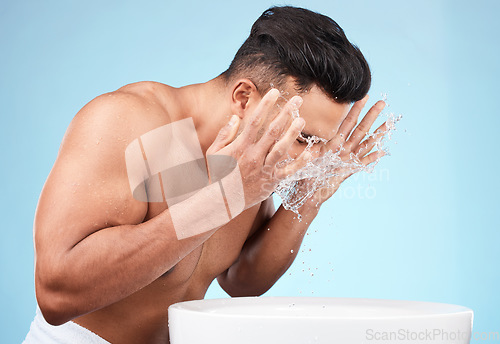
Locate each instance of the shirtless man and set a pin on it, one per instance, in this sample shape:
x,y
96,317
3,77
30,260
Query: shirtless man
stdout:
x,y
110,264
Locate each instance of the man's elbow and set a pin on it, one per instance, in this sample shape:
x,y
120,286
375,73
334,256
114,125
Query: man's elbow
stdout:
x,y
53,302
247,293
53,310
241,289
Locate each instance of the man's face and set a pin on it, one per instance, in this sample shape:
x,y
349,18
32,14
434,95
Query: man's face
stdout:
x,y
323,117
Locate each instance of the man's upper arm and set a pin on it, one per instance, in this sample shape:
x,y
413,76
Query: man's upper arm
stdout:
x,y
87,188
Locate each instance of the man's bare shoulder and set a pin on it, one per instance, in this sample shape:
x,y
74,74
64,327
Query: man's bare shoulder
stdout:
x,y
144,102
90,172
120,116
151,92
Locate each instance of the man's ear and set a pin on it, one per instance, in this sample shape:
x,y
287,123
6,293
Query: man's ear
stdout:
x,y
244,96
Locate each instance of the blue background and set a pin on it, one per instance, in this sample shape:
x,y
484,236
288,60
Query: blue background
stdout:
x,y
424,227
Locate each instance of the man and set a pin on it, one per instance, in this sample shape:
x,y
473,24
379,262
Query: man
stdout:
x,y
119,233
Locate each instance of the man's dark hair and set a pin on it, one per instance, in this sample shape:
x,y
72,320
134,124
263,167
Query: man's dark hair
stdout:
x,y
307,46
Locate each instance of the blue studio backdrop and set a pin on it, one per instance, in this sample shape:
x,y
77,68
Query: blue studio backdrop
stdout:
x,y
421,227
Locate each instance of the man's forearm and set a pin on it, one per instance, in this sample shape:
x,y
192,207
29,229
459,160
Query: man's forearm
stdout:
x,y
268,254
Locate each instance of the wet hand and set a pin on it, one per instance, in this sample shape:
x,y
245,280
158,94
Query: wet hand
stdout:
x,y
353,143
257,158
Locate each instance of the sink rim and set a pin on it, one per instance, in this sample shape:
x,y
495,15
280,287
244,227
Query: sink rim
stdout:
x,y
212,308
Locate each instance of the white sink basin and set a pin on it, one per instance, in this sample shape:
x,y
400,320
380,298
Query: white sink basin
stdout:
x,y
301,320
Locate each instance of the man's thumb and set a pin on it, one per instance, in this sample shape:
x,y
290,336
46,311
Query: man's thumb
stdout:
x,y
226,135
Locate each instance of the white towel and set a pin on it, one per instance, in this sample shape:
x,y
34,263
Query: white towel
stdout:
x,y
41,332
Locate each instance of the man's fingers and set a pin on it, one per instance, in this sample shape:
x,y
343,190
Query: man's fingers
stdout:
x,y
256,120
225,136
364,126
367,160
366,146
347,125
352,118
276,127
283,145
294,166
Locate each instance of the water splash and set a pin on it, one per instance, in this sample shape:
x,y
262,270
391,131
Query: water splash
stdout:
x,y
321,173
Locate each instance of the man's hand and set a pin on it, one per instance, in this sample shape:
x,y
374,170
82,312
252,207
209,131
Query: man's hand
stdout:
x,y
257,158
351,144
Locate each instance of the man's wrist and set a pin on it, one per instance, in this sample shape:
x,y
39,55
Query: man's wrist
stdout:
x,y
310,209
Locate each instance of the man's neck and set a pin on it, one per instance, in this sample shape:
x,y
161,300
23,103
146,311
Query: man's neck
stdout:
x,y
209,106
